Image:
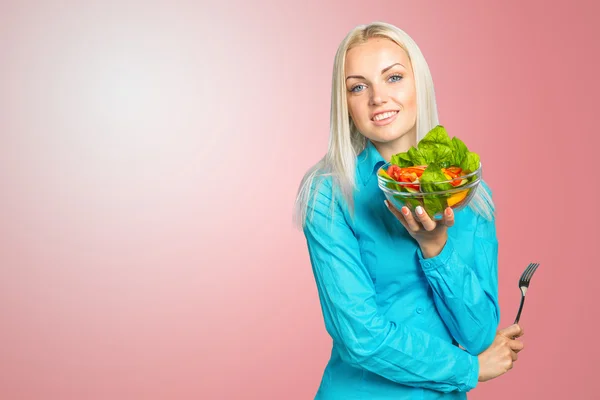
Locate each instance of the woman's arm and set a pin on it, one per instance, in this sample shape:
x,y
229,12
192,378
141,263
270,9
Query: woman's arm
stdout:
x,y
366,337
466,293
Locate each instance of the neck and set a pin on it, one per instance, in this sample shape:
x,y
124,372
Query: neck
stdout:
x,y
400,145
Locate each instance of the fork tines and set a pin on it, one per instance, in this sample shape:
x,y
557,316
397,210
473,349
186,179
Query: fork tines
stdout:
x,y
527,274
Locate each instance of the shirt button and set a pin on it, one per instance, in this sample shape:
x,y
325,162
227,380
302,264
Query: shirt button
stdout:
x,y
419,310
427,264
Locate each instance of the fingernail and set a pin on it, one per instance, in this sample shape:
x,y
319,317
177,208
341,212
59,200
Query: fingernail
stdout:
x,y
449,212
419,210
405,210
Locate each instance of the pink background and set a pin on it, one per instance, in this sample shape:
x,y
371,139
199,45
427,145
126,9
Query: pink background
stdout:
x,y
150,153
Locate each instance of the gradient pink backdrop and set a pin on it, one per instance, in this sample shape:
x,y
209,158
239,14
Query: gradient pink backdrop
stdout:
x,y
150,154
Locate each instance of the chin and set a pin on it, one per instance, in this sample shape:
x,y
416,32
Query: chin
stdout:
x,y
386,133
385,137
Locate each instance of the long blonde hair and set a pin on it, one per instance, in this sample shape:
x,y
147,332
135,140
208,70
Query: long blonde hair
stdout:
x,y
346,142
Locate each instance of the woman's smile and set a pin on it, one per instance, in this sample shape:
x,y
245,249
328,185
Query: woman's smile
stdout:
x,y
384,118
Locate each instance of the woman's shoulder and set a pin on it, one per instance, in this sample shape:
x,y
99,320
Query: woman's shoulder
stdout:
x,y
324,190
326,200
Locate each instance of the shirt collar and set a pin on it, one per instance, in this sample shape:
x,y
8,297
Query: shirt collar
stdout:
x,y
369,160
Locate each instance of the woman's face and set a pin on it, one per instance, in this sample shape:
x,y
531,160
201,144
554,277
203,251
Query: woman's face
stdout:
x,y
381,94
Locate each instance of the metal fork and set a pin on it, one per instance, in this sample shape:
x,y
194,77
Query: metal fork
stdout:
x,y
524,285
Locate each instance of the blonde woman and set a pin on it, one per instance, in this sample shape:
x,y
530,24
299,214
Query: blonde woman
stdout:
x,y
410,303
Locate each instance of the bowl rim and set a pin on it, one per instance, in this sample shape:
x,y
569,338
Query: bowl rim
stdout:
x,y
468,186
389,163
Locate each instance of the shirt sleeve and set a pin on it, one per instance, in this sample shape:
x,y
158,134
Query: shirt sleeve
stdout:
x,y
365,337
466,293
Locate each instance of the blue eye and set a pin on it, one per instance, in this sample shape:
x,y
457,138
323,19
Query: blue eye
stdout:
x,y
394,78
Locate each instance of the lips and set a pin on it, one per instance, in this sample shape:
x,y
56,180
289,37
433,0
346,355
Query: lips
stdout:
x,y
387,117
380,116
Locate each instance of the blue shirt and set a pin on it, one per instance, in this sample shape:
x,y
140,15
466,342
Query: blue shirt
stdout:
x,y
395,318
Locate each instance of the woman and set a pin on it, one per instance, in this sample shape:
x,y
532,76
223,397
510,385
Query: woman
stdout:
x,y
399,292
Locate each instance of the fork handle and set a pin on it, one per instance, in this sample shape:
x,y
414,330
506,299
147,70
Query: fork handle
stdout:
x,y
520,309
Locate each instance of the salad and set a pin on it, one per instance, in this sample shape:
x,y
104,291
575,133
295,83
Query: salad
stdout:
x,y
438,164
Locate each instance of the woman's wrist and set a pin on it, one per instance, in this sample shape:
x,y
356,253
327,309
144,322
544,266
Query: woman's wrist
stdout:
x,y
433,248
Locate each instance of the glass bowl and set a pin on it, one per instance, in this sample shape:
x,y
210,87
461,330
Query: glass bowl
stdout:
x,y
409,194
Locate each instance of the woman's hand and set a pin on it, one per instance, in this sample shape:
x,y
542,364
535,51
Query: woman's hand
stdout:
x,y
502,353
429,234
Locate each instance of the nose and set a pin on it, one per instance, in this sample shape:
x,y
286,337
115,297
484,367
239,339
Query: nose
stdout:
x,y
378,95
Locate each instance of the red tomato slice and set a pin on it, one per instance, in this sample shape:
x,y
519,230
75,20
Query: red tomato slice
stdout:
x,y
452,172
404,175
394,171
415,170
458,182
409,177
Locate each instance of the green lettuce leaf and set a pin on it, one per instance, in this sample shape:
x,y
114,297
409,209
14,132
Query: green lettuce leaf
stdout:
x,y
437,136
436,203
459,150
402,160
471,162
438,148
417,157
432,174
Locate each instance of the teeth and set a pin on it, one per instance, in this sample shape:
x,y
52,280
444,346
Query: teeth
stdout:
x,y
385,115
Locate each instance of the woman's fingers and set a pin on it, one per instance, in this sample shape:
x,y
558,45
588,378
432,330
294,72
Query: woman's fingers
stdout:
x,y
521,332
516,345
413,225
512,331
424,219
449,217
420,219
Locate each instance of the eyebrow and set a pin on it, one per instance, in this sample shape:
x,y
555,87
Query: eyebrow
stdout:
x,y
383,71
